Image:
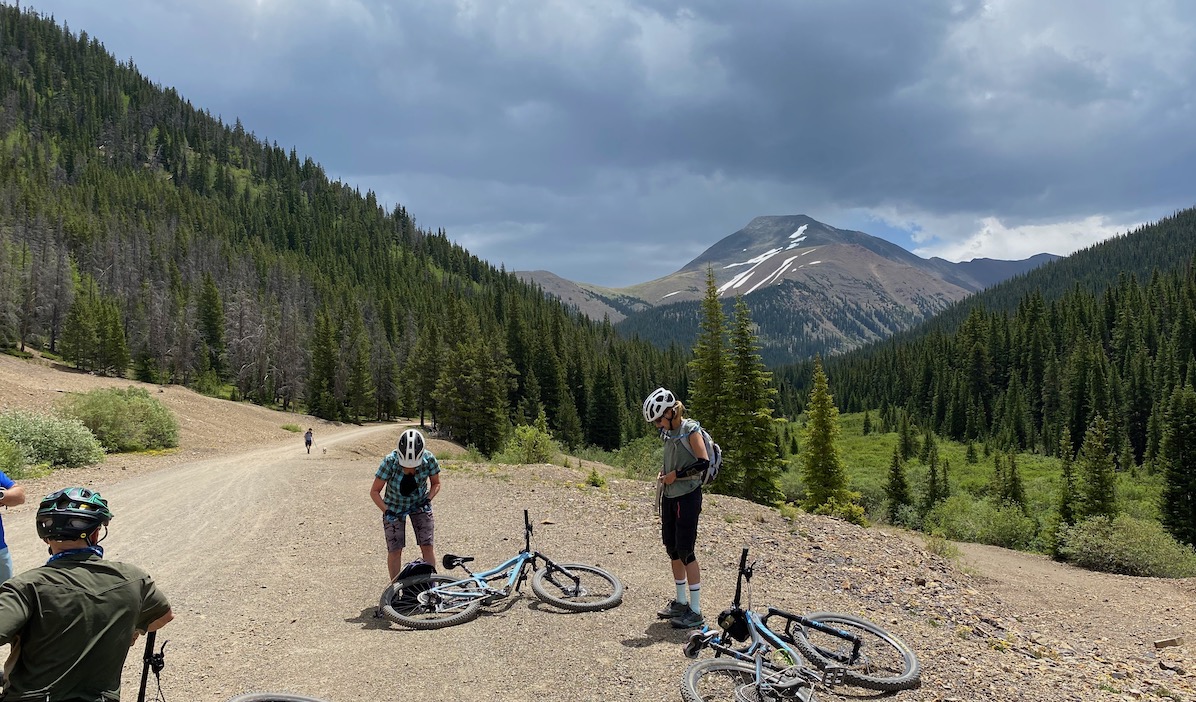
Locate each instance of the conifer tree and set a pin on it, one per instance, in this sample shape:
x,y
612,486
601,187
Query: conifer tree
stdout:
x,y
112,353
423,370
823,472
80,334
752,467
897,488
1015,491
1095,464
211,323
1069,492
867,429
1179,461
710,367
605,411
321,400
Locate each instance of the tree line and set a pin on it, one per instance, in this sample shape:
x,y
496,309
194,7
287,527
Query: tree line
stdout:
x,y
141,235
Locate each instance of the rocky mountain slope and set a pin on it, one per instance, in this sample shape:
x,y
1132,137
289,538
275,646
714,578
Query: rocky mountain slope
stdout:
x,y
804,280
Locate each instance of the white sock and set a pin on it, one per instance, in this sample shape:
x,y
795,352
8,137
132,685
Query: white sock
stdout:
x,y
695,596
681,591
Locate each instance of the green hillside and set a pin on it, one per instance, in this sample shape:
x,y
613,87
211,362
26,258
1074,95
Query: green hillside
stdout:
x,y
141,235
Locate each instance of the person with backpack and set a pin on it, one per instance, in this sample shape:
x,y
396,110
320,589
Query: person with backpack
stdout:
x,y
407,481
685,465
72,621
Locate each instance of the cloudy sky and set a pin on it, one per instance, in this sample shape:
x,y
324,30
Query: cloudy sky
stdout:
x,y
611,141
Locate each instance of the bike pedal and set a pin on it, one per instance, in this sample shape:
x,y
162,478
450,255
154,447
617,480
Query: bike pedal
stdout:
x,y
834,675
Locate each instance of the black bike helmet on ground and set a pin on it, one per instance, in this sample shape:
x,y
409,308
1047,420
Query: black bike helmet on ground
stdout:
x,y
71,513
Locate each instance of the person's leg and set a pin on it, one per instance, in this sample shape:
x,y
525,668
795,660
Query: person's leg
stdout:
x,y
668,535
5,564
424,526
396,539
689,507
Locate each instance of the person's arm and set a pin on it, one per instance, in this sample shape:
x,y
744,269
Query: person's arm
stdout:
x,y
433,485
697,446
376,493
13,496
160,621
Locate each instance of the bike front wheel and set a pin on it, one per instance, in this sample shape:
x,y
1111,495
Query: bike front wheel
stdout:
x,y
430,601
885,663
718,680
593,589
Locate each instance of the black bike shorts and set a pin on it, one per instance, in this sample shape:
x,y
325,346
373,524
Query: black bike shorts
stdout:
x,y
679,525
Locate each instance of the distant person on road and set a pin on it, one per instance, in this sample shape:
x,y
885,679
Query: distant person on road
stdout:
x,y
11,495
681,503
406,483
307,439
72,621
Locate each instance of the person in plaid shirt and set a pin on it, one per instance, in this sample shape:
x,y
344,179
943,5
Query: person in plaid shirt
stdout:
x,y
406,483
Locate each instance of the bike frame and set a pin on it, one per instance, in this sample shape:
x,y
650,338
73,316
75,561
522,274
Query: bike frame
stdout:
x,y
456,594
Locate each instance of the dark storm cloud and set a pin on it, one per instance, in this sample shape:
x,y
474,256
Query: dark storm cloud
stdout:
x,y
578,136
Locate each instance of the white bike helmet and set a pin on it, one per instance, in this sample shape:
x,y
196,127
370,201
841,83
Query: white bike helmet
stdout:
x,y
410,449
657,402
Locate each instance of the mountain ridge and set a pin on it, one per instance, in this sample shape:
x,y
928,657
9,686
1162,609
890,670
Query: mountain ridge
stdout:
x,y
842,287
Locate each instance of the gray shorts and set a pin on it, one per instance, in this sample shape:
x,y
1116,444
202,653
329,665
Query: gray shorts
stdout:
x,y
422,523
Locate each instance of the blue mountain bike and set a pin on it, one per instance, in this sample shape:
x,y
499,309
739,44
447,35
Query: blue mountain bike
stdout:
x,y
434,601
760,658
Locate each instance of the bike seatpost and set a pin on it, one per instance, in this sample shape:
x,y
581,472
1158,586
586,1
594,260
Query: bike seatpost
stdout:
x,y
527,531
739,578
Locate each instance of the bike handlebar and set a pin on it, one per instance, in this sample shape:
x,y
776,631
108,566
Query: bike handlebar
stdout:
x,y
527,531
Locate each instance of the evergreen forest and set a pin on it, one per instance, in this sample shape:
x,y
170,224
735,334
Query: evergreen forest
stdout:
x,y
141,235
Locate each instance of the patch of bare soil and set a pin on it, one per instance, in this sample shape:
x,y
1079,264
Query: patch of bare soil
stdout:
x,y
274,560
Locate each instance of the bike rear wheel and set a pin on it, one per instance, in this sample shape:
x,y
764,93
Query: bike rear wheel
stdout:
x,y
885,663
410,602
595,588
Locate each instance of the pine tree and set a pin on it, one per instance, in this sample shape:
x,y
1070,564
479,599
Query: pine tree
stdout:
x,y
1069,492
752,467
897,489
321,400
867,423
710,367
80,335
112,354
1179,460
211,323
1099,478
823,472
1015,491
605,411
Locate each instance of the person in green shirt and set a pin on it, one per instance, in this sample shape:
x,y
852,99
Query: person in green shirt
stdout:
x,y
72,621
681,502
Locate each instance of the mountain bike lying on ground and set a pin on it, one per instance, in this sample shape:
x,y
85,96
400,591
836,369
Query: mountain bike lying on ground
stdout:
x,y
433,601
757,658
157,661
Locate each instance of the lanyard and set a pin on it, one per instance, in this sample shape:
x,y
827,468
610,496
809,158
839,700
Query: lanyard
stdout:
x,y
97,550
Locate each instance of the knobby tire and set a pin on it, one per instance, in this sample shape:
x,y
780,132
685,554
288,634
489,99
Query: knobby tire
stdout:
x,y
886,663
716,680
599,589
417,615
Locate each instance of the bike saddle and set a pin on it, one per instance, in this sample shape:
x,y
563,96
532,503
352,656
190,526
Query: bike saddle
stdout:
x,y
449,561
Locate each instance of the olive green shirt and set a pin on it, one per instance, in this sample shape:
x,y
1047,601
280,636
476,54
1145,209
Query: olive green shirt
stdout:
x,y
677,456
71,623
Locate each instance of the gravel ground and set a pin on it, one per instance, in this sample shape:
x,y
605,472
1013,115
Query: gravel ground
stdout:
x,y
274,561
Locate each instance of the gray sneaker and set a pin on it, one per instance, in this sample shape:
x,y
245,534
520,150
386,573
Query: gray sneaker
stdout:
x,y
672,609
689,620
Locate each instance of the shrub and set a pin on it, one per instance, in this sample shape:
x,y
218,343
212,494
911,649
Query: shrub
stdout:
x,y
124,420
1128,546
529,444
844,505
12,460
58,441
292,427
595,479
964,518
642,458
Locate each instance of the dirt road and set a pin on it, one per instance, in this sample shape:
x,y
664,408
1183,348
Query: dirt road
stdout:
x,y
274,560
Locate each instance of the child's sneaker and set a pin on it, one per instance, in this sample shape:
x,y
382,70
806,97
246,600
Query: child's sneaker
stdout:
x,y
673,609
689,620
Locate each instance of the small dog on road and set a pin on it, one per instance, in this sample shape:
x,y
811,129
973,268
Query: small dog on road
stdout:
x,y
324,449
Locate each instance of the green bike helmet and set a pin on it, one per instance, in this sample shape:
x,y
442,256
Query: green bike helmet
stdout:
x,y
71,513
